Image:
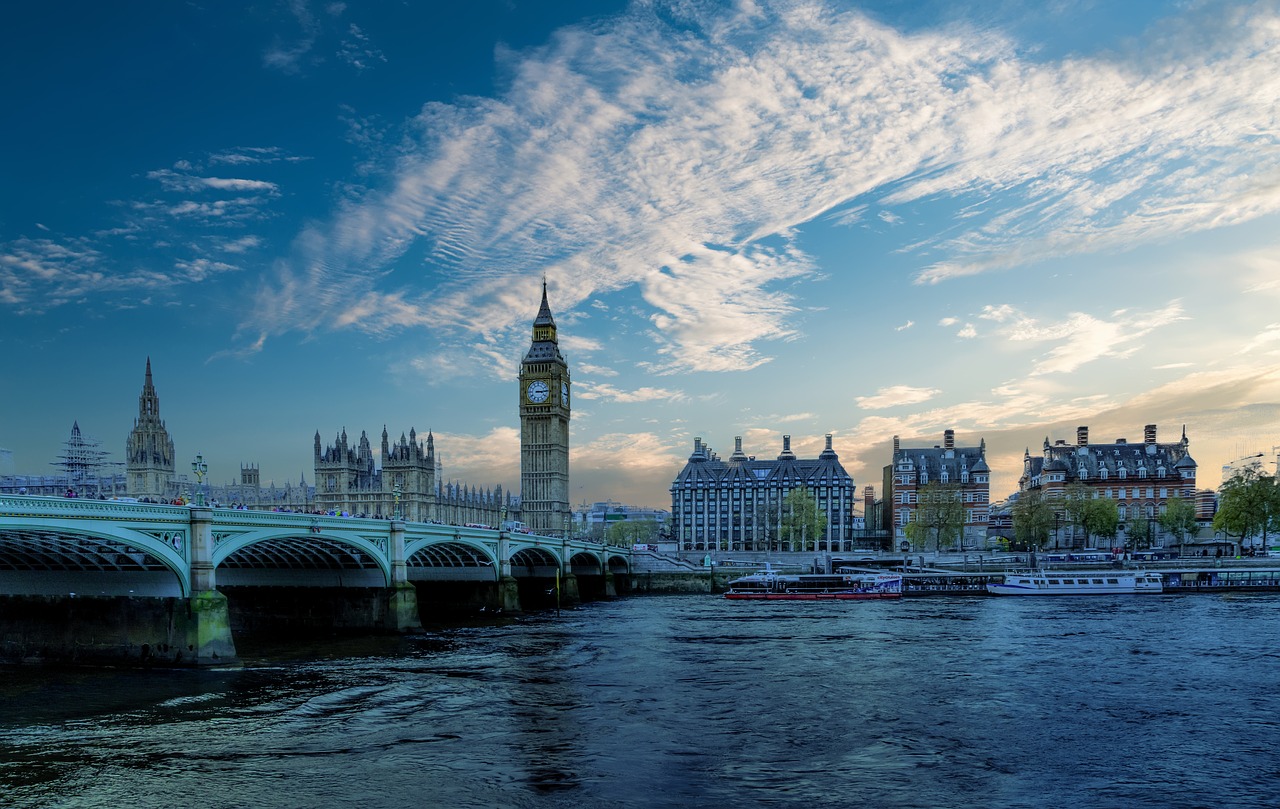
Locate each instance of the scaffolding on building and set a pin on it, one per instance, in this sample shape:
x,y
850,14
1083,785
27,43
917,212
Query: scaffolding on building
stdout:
x,y
81,464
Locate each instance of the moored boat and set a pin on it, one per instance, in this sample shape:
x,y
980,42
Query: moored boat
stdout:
x,y
1076,583
772,586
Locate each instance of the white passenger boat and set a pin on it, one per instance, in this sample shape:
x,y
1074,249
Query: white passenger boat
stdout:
x,y
1076,583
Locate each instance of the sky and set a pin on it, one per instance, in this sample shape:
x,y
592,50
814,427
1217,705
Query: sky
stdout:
x,y
754,219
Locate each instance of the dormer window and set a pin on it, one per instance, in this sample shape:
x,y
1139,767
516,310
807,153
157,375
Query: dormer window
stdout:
x,y
1102,474
1123,473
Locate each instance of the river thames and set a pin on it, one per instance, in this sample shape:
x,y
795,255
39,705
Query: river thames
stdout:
x,y
1149,701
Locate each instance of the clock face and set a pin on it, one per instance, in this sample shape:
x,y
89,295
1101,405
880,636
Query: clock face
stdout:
x,y
538,391
564,392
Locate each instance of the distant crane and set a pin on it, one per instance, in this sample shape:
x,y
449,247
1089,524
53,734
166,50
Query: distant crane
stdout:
x,y
1230,467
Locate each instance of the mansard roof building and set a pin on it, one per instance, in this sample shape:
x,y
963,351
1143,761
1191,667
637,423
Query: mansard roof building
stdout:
x,y
913,468
1139,477
736,503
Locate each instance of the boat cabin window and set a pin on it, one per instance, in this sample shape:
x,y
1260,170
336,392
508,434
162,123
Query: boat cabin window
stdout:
x,y
1097,581
1113,581
1053,581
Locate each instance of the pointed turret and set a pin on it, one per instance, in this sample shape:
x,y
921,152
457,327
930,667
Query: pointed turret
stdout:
x,y
544,347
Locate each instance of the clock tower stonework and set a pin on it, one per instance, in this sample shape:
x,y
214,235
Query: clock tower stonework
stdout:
x,y
544,429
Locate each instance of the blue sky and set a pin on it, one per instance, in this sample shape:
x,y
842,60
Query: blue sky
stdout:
x,y
754,218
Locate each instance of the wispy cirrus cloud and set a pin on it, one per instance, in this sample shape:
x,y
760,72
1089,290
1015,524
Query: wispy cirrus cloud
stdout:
x,y
896,395
1082,338
252,155
610,393
175,181
37,275
680,158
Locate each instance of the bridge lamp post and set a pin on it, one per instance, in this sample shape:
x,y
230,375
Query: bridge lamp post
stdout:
x,y
396,491
566,527
200,468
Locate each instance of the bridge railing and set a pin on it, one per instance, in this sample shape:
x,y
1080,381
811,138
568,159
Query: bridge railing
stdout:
x,y
85,508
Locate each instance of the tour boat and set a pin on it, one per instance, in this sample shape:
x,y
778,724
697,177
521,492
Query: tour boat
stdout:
x,y
769,585
1075,583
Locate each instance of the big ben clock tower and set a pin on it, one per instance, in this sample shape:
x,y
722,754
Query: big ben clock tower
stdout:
x,y
544,429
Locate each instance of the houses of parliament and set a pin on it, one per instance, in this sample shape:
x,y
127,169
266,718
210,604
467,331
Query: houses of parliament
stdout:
x,y
348,479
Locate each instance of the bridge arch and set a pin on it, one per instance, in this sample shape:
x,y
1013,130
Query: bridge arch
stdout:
x,y
61,557
451,559
618,564
321,557
534,562
585,563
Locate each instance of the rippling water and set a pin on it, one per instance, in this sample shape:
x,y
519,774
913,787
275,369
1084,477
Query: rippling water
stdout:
x,y
693,701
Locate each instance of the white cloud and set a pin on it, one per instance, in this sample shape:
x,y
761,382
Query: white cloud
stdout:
x,y
242,245
609,393
596,370
1082,338
175,181
634,153
968,332
246,156
41,274
948,321
286,55
1268,337
895,396
905,326
357,51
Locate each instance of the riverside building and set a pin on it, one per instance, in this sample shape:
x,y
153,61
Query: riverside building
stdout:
x,y
1139,477
738,503
962,468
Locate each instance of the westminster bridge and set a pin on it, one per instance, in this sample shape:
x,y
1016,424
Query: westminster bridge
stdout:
x,y
98,580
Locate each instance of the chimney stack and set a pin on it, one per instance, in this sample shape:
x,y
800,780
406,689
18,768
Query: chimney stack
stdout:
x,y
1149,434
895,443
949,439
1082,436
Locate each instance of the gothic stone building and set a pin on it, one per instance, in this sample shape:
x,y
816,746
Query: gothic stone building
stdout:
x,y
736,504
913,468
408,484
348,479
1139,477
544,429
149,456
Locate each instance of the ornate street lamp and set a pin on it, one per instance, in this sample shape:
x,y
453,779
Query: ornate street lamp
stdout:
x,y
566,527
396,491
200,468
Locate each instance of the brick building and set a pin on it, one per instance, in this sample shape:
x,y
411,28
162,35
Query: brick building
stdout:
x,y
913,468
1139,477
